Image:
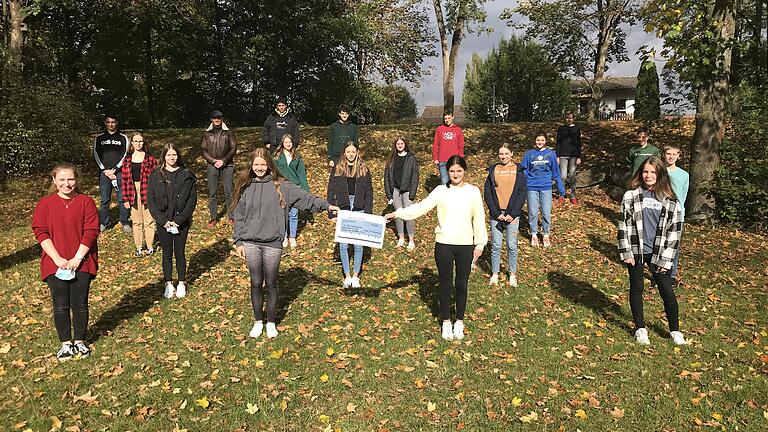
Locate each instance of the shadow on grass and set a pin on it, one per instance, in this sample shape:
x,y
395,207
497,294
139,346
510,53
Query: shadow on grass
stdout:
x,y
607,249
292,282
429,285
141,299
611,214
21,256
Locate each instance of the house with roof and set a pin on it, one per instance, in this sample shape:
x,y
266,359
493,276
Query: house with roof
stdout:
x,y
618,101
433,115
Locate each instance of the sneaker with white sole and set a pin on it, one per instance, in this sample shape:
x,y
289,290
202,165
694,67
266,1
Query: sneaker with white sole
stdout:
x,y
411,246
181,289
494,279
169,289
641,335
355,282
546,242
271,330
81,349
458,330
513,280
678,338
347,281
292,242
534,240
257,329
400,242
447,330
285,242
66,352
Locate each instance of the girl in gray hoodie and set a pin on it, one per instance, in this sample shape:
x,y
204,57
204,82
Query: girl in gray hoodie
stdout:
x,y
261,202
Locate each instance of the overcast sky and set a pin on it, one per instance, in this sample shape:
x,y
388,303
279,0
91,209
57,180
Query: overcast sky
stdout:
x,y
431,92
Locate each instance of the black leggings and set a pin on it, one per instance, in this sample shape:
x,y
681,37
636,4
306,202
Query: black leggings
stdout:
x,y
174,244
70,295
445,257
663,282
263,264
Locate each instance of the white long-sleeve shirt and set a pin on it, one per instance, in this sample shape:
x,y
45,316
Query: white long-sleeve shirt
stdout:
x,y
460,215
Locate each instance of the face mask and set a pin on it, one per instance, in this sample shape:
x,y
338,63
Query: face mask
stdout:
x,y
65,274
172,229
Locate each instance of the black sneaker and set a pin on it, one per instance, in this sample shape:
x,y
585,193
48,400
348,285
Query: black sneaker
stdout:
x,y
150,251
81,350
139,253
67,352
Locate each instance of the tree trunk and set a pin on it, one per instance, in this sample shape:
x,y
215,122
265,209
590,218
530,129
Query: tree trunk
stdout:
x,y
711,110
16,18
450,56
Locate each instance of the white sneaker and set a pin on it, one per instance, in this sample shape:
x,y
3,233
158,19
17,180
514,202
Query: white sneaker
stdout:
x,y
271,330
292,242
181,289
285,242
641,335
458,330
347,281
258,327
411,246
355,282
447,330
494,279
678,338
513,280
168,290
401,242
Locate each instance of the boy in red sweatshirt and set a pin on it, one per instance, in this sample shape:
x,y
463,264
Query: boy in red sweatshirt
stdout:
x,y
449,141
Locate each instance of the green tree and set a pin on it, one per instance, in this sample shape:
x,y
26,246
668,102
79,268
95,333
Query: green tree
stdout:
x,y
698,40
582,36
647,102
525,81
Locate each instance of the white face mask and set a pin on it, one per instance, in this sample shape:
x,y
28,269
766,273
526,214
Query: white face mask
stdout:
x,y
65,274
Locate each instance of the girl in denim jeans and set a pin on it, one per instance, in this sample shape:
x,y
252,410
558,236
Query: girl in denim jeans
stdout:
x,y
505,192
350,188
291,167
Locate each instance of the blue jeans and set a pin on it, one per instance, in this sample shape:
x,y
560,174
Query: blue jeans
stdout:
x,y
536,200
344,250
496,235
293,222
105,190
443,172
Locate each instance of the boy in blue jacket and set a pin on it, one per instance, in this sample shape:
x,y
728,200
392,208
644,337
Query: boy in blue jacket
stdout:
x,y
540,164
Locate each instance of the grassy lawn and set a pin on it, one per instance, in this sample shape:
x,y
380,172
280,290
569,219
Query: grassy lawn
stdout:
x,y
554,354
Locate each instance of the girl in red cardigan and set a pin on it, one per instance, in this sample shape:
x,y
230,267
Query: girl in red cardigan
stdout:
x,y
66,224
137,167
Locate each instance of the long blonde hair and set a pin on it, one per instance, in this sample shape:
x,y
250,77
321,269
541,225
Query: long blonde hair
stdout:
x,y
247,174
60,167
358,168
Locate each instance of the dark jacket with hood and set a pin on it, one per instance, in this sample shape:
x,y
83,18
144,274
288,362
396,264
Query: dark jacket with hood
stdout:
x,y
516,200
410,181
172,201
338,192
338,135
258,215
218,143
277,125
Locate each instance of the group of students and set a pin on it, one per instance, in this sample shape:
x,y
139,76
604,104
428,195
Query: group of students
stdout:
x,y
272,188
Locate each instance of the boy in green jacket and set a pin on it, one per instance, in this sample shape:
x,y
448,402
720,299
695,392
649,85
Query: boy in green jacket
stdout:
x,y
339,133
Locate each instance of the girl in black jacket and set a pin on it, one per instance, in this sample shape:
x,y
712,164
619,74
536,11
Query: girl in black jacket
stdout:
x,y
350,188
401,180
171,198
505,192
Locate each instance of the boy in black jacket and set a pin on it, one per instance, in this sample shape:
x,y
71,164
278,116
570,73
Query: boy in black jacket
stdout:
x,y
568,151
278,124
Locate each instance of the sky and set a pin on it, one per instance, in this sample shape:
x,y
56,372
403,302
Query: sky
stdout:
x,y
430,90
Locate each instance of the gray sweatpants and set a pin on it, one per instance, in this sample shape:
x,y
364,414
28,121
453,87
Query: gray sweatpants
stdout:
x,y
402,200
568,172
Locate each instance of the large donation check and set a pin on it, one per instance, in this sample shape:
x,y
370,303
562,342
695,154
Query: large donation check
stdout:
x,y
360,228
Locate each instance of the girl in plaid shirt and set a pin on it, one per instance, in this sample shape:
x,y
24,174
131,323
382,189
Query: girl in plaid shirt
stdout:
x,y
137,167
649,232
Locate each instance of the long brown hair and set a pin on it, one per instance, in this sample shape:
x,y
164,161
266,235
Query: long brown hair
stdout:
x,y
179,159
358,166
294,153
663,187
144,148
60,167
247,175
393,155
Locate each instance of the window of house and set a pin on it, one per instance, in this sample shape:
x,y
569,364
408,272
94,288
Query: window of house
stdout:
x,y
583,107
621,105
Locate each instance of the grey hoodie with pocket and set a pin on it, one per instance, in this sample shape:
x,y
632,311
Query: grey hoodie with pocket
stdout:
x,y
259,217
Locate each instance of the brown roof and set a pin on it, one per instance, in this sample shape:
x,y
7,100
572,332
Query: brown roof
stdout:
x,y
608,83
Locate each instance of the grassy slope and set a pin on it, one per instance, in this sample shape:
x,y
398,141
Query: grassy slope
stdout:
x,y
558,346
